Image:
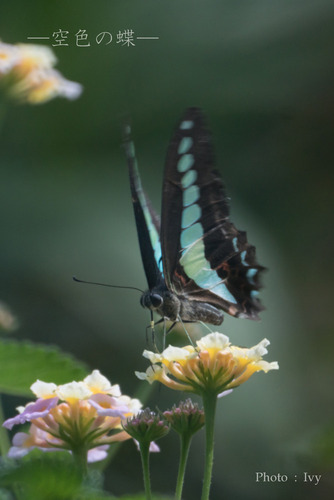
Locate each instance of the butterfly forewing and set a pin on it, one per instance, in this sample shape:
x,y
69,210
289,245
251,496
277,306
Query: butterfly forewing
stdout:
x,y
147,221
205,257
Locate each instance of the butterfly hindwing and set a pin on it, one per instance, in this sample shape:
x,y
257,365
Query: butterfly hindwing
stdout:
x,y
205,258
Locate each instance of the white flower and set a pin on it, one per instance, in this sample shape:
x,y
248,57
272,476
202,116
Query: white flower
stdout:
x,y
153,357
99,383
35,56
133,404
255,353
73,391
265,366
177,353
152,373
9,57
43,389
213,340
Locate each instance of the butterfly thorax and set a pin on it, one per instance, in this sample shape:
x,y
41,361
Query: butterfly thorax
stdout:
x,y
175,307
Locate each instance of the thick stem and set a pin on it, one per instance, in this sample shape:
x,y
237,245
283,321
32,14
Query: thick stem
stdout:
x,y
209,403
80,458
145,456
185,440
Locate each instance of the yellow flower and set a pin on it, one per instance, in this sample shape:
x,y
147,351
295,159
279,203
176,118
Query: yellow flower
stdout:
x,y
28,75
42,85
214,365
34,57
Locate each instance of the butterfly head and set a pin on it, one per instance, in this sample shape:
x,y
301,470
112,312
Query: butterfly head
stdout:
x,y
151,300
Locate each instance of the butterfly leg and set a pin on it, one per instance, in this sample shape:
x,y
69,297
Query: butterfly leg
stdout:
x,y
152,324
183,323
186,331
206,326
164,335
171,327
166,332
146,333
152,327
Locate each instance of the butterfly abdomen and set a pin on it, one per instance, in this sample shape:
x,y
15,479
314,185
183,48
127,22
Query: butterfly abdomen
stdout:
x,y
191,310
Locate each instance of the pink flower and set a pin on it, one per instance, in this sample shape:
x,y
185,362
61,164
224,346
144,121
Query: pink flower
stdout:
x,y
90,411
39,409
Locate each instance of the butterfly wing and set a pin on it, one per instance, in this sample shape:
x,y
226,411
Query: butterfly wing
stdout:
x,y
205,257
147,221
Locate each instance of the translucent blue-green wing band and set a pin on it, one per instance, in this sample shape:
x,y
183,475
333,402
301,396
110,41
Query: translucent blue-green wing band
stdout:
x,y
147,221
204,256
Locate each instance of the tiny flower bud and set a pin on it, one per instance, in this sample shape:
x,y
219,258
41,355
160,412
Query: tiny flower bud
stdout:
x,y
186,418
146,427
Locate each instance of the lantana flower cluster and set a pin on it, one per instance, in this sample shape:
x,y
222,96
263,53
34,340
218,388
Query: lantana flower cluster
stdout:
x,y
27,74
79,415
214,365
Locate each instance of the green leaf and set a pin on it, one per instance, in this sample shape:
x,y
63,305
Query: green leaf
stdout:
x,y
21,363
43,475
51,476
5,495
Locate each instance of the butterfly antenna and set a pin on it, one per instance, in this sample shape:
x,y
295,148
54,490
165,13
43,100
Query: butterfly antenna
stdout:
x,y
104,284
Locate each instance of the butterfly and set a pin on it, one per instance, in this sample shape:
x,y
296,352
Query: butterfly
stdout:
x,y
198,265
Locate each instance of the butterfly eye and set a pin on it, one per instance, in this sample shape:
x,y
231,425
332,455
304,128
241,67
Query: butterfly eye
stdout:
x,y
156,300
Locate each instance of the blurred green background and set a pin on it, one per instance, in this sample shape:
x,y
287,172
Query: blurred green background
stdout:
x,y
263,72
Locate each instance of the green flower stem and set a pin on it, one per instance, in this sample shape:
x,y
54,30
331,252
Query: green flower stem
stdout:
x,y
209,403
185,439
4,439
145,456
80,458
143,394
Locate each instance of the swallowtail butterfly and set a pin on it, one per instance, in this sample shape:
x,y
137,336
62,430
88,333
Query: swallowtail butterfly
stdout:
x,y
197,263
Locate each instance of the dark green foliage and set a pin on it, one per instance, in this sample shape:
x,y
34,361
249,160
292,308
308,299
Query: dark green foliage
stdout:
x,y
39,476
22,363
